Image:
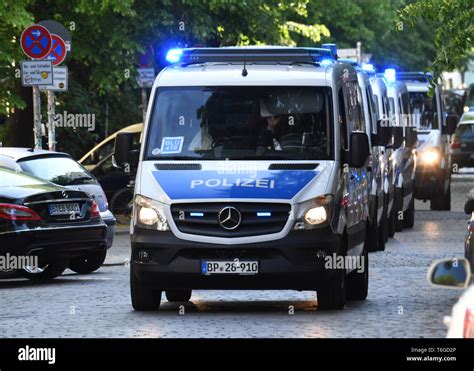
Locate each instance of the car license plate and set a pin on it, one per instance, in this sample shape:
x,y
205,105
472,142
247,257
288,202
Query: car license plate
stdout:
x,y
229,267
64,209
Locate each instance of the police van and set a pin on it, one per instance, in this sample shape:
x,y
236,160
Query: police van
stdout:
x,y
433,171
379,90
406,138
379,134
252,174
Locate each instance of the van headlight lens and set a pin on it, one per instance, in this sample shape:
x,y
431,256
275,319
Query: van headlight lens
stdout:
x,y
430,156
150,214
316,215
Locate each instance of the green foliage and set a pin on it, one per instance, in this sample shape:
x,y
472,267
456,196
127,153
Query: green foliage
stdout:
x,y
453,27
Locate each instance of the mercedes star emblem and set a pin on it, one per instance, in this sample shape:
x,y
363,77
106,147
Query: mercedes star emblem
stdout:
x,y
229,218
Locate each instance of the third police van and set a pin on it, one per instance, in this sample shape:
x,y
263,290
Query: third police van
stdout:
x,y
252,174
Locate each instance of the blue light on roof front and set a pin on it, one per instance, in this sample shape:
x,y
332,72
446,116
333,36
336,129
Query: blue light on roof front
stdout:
x,y
326,62
368,67
197,215
264,214
390,75
174,55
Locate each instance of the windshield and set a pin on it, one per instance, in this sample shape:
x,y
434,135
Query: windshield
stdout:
x,y
60,170
465,131
423,108
244,122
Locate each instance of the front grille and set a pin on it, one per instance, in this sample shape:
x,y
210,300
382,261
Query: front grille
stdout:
x,y
290,166
256,218
170,166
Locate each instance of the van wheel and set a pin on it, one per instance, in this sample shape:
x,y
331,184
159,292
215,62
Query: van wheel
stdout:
x,y
442,200
178,295
398,209
333,295
383,228
144,298
88,263
373,231
409,215
358,282
48,270
391,222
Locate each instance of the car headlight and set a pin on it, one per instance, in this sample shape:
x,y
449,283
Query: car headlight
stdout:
x,y
316,215
314,212
150,214
430,156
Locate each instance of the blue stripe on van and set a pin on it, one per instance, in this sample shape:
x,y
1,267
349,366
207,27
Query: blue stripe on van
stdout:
x,y
213,184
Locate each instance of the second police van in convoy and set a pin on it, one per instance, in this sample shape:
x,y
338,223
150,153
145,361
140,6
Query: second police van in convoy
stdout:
x,y
252,174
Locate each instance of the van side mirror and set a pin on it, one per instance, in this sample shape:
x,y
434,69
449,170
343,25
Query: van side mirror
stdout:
x,y
411,137
455,273
398,138
451,124
359,149
469,205
123,146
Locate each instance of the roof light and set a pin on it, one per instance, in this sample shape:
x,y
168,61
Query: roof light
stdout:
x,y
332,48
368,67
390,75
174,55
326,62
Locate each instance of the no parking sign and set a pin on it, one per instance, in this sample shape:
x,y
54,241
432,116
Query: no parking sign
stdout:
x,y
36,41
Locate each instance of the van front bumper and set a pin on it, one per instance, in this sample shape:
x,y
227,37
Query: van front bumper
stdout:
x,y
287,263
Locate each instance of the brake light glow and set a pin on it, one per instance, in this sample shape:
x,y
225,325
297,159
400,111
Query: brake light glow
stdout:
x,y
455,144
17,212
95,212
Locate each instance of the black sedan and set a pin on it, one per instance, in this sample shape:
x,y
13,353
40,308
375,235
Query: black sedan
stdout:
x,y
50,223
469,244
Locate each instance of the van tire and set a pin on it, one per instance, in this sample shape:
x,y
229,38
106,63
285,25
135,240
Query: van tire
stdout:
x,y
398,209
358,283
144,297
383,234
391,222
442,202
373,242
409,215
178,295
333,295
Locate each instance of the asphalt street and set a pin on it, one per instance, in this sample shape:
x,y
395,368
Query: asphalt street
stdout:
x,y
400,304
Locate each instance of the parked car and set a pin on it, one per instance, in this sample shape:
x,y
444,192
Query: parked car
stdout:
x,y
469,244
462,145
53,223
114,181
456,273
61,169
469,99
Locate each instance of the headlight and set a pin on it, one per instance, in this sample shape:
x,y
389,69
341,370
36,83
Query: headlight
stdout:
x,y
314,212
316,215
150,214
430,156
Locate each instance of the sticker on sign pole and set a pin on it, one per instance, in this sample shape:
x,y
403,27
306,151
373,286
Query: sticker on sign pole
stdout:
x,y
58,50
36,41
60,79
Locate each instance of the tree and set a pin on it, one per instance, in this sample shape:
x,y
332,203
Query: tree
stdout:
x,y
452,25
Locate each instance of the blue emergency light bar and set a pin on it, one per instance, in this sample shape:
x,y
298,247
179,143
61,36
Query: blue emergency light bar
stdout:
x,y
250,55
390,75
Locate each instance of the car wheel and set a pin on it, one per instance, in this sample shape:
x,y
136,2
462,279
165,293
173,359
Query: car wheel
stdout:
x,y
358,282
144,297
391,222
383,228
47,270
409,215
333,295
88,263
442,200
398,209
178,295
373,231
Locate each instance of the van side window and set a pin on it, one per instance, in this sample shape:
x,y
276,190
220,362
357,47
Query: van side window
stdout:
x,y
353,104
393,120
372,109
342,120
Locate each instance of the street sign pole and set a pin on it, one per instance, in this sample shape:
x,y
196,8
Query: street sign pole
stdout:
x,y
37,130
144,104
51,124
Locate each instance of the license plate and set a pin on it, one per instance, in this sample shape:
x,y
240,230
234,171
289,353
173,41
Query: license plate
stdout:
x,y
64,209
229,267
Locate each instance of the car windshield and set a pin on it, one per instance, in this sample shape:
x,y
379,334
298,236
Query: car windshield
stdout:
x,y
10,178
465,131
244,122
60,170
423,109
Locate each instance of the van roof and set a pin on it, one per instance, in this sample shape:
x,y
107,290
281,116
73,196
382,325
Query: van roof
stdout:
x,y
230,74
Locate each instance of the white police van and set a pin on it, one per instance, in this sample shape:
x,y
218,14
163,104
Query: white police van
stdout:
x,y
433,170
252,174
